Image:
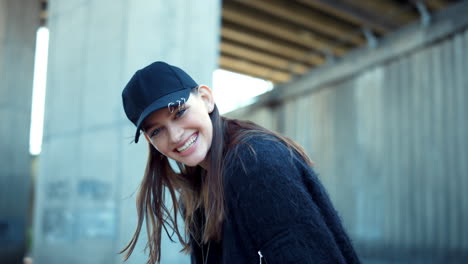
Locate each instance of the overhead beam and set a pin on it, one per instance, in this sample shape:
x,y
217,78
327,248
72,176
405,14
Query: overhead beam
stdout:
x,y
413,38
249,68
352,14
294,53
435,4
308,18
274,62
270,26
387,10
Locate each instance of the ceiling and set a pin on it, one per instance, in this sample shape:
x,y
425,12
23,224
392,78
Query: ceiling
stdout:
x,y
278,40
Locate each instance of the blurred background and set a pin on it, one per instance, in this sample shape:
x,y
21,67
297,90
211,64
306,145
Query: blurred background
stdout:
x,y
376,92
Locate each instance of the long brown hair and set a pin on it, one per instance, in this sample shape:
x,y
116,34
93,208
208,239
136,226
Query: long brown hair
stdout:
x,y
198,189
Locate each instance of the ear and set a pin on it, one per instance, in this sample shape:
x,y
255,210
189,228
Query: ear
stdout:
x,y
206,94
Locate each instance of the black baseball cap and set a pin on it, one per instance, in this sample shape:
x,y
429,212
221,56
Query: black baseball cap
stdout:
x,y
152,88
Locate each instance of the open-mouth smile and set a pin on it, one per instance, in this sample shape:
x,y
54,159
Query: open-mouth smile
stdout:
x,y
190,141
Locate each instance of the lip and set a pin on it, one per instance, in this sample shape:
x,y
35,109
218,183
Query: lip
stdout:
x,y
190,149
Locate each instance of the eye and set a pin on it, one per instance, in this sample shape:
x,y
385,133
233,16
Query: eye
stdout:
x,y
155,132
180,113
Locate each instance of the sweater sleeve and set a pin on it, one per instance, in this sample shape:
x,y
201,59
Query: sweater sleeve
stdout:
x,y
269,202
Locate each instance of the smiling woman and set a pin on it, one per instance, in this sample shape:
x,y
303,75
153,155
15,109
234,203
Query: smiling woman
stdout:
x,y
247,194
183,134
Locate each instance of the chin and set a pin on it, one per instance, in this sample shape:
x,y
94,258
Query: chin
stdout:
x,y
192,161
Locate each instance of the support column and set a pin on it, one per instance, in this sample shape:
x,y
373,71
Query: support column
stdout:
x,y
19,21
89,171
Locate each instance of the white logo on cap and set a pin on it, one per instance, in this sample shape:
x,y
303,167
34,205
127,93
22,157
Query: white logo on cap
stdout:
x,y
180,105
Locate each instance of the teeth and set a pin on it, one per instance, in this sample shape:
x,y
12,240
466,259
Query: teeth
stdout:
x,y
188,144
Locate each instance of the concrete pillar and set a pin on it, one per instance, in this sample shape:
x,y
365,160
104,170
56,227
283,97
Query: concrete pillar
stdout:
x,y
19,20
88,169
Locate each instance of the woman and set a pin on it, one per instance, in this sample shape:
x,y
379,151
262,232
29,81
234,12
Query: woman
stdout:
x,y
247,195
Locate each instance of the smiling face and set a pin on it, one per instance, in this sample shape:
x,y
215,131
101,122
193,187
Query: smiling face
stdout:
x,y
184,135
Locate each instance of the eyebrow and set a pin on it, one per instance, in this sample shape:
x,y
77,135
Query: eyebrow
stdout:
x,y
150,125
153,124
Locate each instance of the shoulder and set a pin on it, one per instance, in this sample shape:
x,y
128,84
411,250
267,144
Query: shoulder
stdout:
x,y
265,179
259,159
257,149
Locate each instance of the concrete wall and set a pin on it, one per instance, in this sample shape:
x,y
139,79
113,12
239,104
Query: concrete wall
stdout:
x,y
89,171
388,129
19,20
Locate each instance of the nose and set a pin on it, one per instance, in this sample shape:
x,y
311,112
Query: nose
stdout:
x,y
175,133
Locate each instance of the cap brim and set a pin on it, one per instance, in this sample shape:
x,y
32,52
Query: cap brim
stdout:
x,y
161,103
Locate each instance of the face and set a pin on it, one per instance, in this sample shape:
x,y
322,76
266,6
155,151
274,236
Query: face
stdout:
x,y
184,135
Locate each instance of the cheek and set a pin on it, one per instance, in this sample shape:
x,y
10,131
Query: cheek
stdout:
x,y
160,146
201,121
156,147
208,127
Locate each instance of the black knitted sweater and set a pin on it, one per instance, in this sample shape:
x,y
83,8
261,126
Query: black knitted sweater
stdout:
x,y
277,211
